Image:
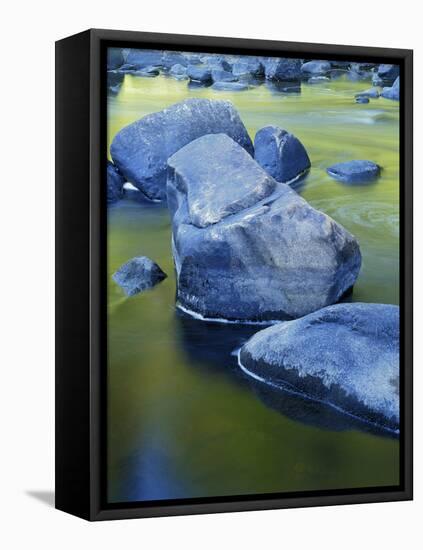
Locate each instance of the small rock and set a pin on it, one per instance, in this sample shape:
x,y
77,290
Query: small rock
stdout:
x,y
316,67
318,80
280,153
361,99
179,72
220,75
230,86
283,69
199,74
138,274
354,171
393,92
372,93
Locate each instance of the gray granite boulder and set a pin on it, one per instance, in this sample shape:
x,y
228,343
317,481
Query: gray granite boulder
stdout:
x,y
247,248
345,355
115,183
280,153
354,171
392,92
316,67
230,86
140,59
140,150
388,73
247,67
137,275
178,71
283,69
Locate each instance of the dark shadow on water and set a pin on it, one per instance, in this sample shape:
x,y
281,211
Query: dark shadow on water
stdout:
x,y
46,497
312,413
211,346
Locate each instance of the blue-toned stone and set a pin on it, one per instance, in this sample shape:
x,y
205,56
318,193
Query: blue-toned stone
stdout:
x,y
169,59
393,92
283,69
115,183
316,67
220,75
280,153
247,67
361,99
243,252
230,86
137,275
199,73
115,58
346,355
372,93
179,72
140,59
388,74
217,62
354,171
141,149
150,71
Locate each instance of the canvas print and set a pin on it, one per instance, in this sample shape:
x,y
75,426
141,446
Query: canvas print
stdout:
x,y
253,275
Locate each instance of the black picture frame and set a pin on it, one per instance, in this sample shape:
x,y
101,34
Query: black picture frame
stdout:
x,y
81,212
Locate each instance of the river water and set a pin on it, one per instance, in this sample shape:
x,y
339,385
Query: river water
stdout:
x,y
183,420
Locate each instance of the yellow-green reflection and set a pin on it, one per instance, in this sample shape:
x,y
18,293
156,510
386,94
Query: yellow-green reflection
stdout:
x,y
180,425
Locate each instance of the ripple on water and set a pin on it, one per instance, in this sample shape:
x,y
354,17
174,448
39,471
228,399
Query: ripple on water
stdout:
x,y
376,215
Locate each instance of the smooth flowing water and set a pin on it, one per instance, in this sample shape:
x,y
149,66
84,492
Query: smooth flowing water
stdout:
x,y
183,420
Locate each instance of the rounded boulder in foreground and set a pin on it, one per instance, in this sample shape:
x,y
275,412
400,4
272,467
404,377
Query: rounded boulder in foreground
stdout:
x,y
345,355
354,171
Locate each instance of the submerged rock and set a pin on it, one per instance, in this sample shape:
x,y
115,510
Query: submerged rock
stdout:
x,y
280,153
316,67
393,92
372,93
141,150
318,80
388,74
361,99
138,274
230,86
346,355
247,248
115,183
283,69
354,171
150,71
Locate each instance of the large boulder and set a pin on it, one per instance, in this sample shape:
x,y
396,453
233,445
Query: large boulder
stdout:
x,y
248,67
220,75
141,150
388,73
283,69
392,92
115,58
115,183
137,275
247,248
346,355
354,171
280,153
178,71
316,67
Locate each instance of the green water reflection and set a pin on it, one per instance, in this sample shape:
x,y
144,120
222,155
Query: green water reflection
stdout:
x,y
182,420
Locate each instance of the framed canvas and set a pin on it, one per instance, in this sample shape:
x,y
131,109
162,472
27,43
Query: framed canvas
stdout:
x,y
234,274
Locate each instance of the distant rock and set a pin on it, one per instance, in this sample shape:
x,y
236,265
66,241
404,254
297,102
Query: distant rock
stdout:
x,y
140,59
141,149
283,69
354,171
220,75
216,61
361,99
170,59
316,67
245,247
230,86
280,153
199,74
138,274
115,58
179,72
388,74
393,92
346,355
149,71
115,183
247,67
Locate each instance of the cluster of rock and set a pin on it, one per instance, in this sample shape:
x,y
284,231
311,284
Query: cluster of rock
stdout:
x,y
237,72
248,249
